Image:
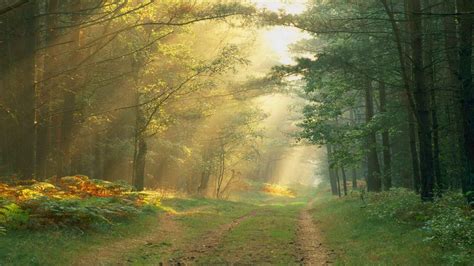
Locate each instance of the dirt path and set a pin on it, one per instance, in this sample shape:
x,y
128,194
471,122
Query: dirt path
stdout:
x,y
311,250
209,243
166,243
114,253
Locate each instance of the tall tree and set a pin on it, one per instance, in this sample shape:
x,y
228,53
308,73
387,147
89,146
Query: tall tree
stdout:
x,y
466,7
422,100
374,182
387,156
25,52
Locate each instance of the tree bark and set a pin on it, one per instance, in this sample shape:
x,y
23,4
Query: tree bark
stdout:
x,y
69,98
431,86
422,100
26,94
414,153
338,182
387,156
467,92
344,180
332,176
43,126
138,180
451,45
354,178
374,182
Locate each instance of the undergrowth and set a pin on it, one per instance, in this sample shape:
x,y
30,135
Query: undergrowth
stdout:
x,y
448,221
72,201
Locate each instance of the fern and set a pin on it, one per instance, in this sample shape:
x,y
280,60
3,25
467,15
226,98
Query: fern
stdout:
x,y
14,215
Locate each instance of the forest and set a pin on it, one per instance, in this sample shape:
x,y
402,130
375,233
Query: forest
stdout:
x,y
222,132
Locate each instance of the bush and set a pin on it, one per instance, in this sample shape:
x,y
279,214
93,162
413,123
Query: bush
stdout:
x,y
11,214
81,213
72,201
448,220
401,204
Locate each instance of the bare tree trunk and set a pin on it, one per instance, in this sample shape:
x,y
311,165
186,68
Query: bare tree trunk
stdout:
x,y
344,180
374,183
221,174
354,178
138,180
26,114
422,100
338,182
387,156
140,145
467,92
414,153
69,98
44,94
332,175
451,45
430,83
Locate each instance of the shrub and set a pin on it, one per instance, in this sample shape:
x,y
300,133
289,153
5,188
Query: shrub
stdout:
x,y
448,220
400,204
72,201
13,215
81,213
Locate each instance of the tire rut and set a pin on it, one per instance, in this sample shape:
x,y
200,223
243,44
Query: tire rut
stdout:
x,y
209,243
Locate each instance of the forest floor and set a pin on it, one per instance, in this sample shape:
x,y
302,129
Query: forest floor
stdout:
x,y
312,228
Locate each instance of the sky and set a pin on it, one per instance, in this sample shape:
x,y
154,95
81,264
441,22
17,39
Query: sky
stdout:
x,y
302,163
280,38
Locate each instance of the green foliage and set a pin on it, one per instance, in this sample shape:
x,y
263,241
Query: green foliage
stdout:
x,y
81,213
452,227
399,203
73,201
13,215
448,221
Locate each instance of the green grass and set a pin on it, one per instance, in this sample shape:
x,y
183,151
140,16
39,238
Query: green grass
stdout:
x,y
359,239
267,237
61,246
204,215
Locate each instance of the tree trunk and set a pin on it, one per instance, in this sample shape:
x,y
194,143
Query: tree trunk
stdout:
x,y
26,95
430,84
138,180
387,157
467,92
422,100
344,180
354,178
332,175
44,95
204,183
414,153
338,182
373,174
451,47
69,98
